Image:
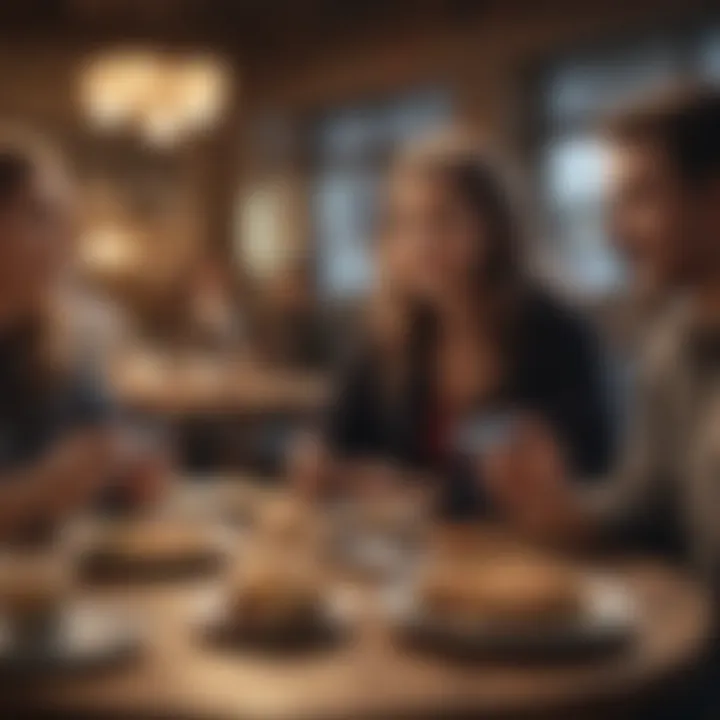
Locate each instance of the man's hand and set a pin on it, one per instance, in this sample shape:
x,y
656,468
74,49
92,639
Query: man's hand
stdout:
x,y
529,480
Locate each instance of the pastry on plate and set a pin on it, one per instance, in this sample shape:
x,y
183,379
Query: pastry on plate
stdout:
x,y
505,590
270,597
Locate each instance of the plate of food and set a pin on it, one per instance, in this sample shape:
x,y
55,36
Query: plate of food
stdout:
x,y
275,606
515,607
147,549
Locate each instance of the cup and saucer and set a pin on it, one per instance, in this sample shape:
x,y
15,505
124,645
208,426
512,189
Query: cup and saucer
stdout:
x,y
46,627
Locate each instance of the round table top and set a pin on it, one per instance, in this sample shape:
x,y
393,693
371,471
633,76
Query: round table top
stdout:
x,y
370,675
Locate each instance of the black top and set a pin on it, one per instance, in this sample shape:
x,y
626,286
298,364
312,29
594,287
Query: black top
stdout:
x,y
36,412
557,374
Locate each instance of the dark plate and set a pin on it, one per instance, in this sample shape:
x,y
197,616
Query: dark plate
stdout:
x,y
100,565
321,630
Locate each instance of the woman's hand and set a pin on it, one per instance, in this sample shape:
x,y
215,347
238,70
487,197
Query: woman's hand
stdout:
x,y
528,479
76,469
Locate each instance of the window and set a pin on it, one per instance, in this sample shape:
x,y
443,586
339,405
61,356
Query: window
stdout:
x,y
709,56
573,93
350,148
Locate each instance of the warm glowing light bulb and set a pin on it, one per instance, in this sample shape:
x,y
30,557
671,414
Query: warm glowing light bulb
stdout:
x,y
164,97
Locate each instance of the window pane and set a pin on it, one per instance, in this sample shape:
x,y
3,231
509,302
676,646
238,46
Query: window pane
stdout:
x,y
709,56
353,145
585,87
343,208
574,170
346,135
418,114
573,188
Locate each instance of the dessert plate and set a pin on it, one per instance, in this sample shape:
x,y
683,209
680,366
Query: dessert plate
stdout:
x,y
605,622
323,627
203,553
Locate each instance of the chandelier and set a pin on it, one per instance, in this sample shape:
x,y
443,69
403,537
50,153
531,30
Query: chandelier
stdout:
x,y
163,97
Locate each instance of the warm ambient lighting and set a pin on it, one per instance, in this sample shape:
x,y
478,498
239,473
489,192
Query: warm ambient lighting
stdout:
x,y
163,97
109,249
261,224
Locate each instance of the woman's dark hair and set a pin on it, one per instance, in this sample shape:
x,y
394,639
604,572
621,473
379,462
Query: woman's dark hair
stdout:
x,y
499,277
682,121
479,185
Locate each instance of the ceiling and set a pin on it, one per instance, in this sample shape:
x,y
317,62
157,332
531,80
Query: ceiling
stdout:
x,y
253,25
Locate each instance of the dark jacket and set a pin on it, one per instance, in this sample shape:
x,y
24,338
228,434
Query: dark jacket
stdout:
x,y
36,411
557,372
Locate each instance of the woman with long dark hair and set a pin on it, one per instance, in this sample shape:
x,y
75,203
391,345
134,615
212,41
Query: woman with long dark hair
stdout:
x,y
459,333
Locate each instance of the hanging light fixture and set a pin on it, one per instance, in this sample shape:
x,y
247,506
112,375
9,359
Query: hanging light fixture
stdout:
x,y
163,97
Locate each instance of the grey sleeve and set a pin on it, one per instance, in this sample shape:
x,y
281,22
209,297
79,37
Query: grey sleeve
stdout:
x,y
634,497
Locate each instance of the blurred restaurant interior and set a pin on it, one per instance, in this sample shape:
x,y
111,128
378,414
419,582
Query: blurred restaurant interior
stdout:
x,y
229,158
229,155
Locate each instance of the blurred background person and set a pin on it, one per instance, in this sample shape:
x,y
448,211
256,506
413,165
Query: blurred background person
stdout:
x,y
289,330
59,445
665,215
459,335
212,321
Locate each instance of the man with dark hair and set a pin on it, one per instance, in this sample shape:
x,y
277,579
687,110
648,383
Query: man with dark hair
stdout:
x,y
665,216
665,165
664,212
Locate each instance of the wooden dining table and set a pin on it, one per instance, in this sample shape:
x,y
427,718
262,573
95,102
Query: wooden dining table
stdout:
x,y
369,674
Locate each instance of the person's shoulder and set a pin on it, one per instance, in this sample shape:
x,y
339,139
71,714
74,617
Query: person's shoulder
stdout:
x,y
665,341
